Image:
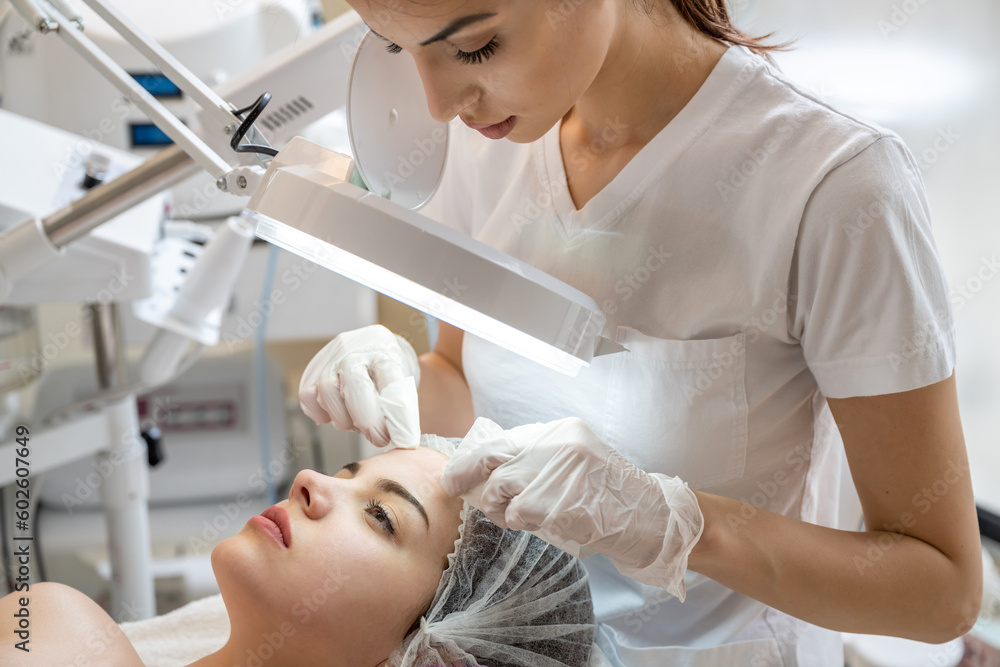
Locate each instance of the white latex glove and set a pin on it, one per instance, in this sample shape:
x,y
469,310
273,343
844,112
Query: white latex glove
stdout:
x,y
562,483
365,381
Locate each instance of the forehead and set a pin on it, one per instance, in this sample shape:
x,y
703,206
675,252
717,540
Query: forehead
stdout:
x,y
418,20
419,470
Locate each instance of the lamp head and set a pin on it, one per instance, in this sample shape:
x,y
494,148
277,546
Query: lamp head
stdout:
x,y
358,218
399,149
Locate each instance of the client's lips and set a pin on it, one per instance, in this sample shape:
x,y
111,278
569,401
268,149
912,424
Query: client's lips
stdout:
x,y
279,517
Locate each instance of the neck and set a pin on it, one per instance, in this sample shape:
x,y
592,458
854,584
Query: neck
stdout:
x,y
654,66
239,652
270,648
224,657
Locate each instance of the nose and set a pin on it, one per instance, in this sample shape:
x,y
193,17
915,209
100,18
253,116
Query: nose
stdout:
x,y
313,492
446,94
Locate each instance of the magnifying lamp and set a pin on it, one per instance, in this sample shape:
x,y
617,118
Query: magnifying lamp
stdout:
x,y
358,218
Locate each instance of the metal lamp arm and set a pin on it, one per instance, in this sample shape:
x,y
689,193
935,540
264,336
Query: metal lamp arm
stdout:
x,y
183,136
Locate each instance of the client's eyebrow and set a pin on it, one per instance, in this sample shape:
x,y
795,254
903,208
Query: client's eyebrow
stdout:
x,y
390,486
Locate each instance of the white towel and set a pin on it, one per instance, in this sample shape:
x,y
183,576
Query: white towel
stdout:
x,y
199,628
181,636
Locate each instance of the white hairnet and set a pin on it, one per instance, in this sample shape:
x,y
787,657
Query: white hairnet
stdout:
x,y
506,599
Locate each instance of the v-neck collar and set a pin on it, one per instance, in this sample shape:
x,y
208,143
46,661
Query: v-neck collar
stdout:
x,y
606,207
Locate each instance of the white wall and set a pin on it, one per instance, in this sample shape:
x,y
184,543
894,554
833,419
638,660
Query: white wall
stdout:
x,y
924,68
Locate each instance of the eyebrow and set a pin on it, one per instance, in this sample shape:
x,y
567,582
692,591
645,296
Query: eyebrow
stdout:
x,y
451,28
390,486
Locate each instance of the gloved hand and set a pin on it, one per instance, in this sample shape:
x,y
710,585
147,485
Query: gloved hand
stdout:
x,y
562,483
365,381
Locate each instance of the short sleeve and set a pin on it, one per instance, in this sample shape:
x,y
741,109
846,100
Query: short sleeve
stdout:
x,y
869,299
451,204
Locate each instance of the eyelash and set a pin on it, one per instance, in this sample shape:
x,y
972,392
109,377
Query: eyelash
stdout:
x,y
467,57
379,508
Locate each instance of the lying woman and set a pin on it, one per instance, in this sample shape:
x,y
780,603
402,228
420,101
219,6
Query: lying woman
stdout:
x,y
411,576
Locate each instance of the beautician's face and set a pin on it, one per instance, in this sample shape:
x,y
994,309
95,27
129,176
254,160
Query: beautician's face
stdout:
x,y
363,563
547,53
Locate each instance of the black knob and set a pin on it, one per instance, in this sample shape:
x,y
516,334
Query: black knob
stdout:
x,y
154,445
92,179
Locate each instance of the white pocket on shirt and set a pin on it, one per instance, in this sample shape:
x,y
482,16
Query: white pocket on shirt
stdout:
x,y
679,407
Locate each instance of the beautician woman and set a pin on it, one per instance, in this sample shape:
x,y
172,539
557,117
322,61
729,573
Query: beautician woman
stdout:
x,y
767,260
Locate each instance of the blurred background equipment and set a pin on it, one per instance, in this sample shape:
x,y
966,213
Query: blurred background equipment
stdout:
x,y
227,438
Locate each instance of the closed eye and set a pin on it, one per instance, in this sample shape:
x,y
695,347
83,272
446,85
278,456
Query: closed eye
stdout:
x,y
467,57
479,55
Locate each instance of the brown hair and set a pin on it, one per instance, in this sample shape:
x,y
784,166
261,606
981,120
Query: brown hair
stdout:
x,y
712,18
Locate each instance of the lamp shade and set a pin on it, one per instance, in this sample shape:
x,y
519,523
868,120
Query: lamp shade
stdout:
x,y
307,204
399,149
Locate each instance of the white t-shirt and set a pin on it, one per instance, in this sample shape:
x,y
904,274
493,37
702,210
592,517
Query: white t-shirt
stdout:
x,y
762,252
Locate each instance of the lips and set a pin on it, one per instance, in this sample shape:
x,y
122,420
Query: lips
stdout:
x,y
477,126
279,516
494,130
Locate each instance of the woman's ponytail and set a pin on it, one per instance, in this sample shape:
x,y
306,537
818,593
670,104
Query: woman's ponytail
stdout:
x,y
712,18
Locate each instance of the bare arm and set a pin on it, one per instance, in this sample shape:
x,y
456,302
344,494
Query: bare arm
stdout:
x,y
916,572
445,401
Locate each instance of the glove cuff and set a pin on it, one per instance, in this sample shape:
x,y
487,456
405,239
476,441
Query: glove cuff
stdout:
x,y
684,527
411,364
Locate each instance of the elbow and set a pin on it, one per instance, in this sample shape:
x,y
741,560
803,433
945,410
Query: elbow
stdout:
x,y
967,609
957,615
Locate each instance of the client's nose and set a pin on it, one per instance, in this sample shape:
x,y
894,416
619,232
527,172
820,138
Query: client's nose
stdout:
x,y
312,491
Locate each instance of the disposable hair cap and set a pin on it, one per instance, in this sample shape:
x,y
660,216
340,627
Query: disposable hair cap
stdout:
x,y
506,599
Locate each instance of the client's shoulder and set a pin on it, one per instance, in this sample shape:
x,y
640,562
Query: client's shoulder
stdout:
x,y
61,625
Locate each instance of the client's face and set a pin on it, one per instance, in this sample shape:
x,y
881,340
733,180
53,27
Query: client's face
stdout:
x,y
366,553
